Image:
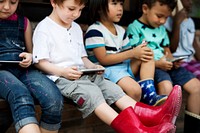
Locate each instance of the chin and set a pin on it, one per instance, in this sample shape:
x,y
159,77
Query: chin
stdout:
x,y
156,25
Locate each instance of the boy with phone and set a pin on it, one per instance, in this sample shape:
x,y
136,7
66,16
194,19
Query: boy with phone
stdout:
x,y
150,26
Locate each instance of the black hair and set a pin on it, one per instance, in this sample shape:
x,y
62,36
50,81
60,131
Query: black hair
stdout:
x,y
98,8
170,3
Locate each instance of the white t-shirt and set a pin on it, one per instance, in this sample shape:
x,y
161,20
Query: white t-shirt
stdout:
x,y
60,46
186,38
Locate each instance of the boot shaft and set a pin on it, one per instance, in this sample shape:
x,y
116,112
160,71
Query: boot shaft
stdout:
x,y
128,122
149,95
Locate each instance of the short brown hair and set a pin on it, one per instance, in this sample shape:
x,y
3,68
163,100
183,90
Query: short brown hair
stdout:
x,y
80,2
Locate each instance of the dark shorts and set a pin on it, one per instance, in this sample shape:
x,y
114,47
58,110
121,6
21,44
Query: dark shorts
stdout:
x,y
178,76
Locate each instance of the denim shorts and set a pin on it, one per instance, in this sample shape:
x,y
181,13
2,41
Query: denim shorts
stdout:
x,y
178,76
118,71
21,88
89,92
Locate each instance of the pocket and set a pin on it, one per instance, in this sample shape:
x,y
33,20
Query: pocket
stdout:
x,y
66,87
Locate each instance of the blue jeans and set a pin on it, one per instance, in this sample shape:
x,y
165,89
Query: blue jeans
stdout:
x,y
21,88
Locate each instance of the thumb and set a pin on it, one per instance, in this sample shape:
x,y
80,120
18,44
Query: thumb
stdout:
x,y
22,54
144,43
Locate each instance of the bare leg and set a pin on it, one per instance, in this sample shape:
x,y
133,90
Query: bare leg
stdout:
x,y
164,87
130,87
30,128
193,101
125,102
47,131
192,88
107,114
147,70
135,66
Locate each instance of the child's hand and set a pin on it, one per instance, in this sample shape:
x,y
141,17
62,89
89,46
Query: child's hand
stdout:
x,y
164,64
72,73
181,16
99,72
27,59
142,53
177,64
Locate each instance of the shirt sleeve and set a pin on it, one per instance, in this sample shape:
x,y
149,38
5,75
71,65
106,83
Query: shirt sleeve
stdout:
x,y
40,41
93,39
133,35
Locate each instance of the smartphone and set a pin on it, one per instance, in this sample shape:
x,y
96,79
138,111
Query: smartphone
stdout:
x,y
177,59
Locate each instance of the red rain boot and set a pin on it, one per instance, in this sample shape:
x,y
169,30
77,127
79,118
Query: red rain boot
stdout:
x,y
167,112
128,122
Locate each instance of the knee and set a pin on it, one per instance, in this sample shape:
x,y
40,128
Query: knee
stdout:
x,y
53,106
164,88
134,92
193,87
51,115
194,90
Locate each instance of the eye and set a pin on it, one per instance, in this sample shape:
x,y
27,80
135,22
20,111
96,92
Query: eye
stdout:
x,y
159,16
13,1
113,3
71,9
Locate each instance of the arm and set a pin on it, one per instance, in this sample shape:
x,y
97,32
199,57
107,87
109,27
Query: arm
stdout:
x,y
28,37
89,64
70,73
140,52
27,56
174,37
196,45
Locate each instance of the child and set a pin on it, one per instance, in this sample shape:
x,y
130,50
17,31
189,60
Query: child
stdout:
x,y
150,26
182,37
59,52
21,84
106,43
182,34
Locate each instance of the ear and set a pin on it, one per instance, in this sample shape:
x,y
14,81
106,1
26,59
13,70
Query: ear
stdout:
x,y
145,8
52,3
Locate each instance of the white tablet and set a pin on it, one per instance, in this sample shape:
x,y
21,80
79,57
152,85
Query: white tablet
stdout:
x,y
3,61
90,71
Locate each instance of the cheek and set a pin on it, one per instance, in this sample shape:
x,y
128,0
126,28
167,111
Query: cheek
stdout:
x,y
79,14
13,9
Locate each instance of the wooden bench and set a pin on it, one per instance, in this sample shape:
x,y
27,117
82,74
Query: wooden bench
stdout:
x,y
72,120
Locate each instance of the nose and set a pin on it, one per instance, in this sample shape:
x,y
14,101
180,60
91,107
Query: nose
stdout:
x,y
76,13
120,7
7,5
162,20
